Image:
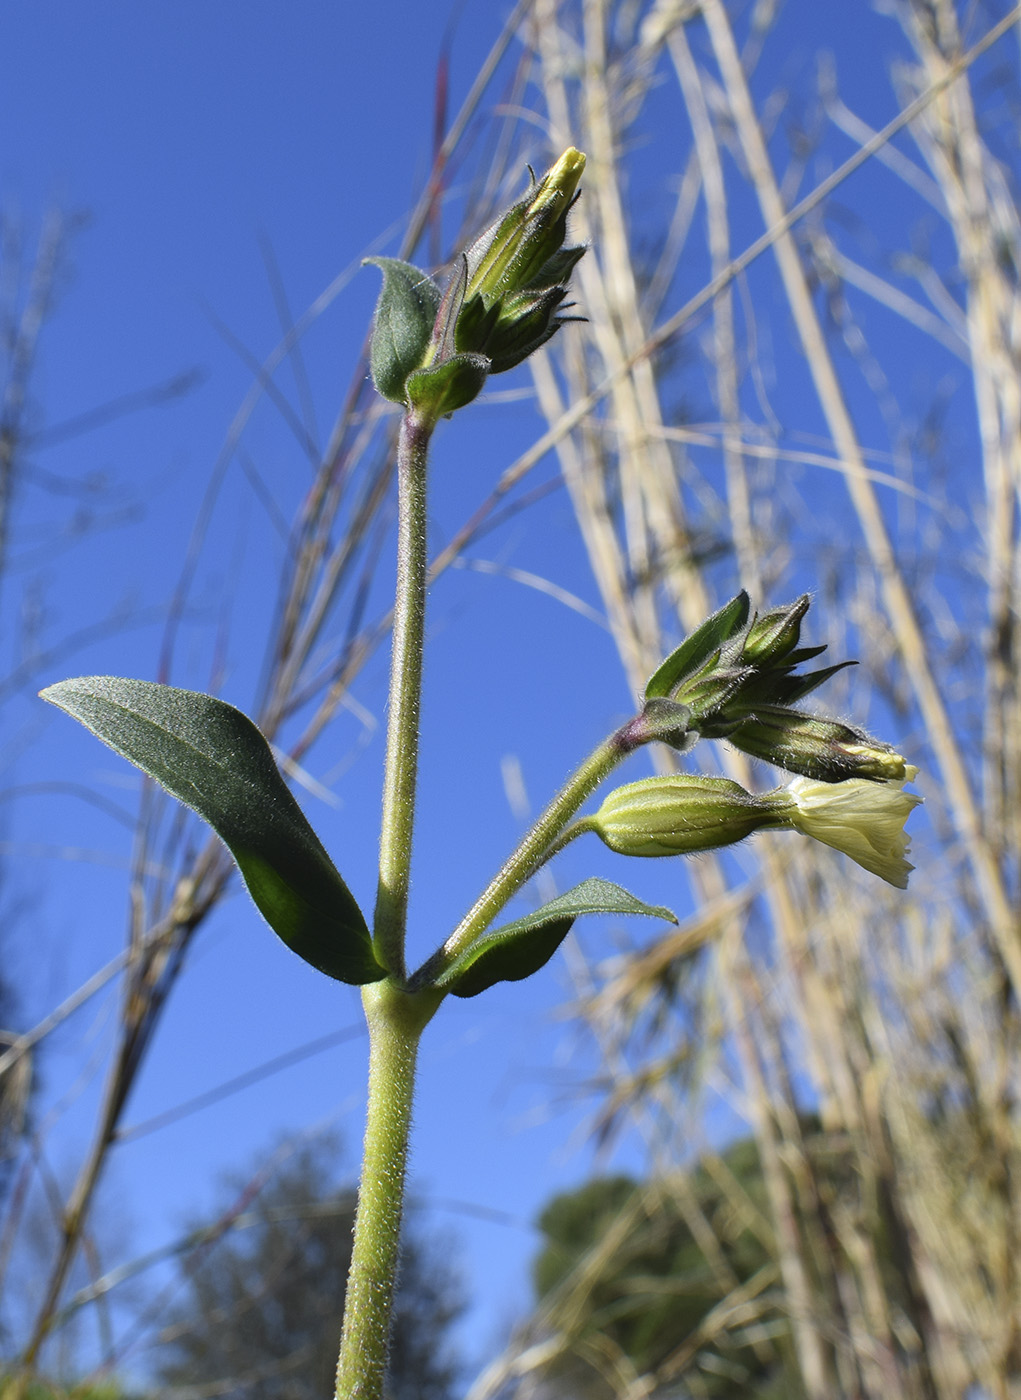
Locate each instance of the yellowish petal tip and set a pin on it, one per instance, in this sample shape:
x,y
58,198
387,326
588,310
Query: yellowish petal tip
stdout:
x,y
572,159
891,764
563,178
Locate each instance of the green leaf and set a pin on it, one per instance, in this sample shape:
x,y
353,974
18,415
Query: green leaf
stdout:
x,y
441,389
405,314
212,757
696,649
516,950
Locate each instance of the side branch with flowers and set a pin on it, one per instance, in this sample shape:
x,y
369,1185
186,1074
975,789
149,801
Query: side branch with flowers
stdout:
x,y
736,678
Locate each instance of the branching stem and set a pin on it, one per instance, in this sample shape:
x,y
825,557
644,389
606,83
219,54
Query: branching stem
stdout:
x,y
548,834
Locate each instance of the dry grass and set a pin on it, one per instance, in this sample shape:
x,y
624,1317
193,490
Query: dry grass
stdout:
x,y
794,986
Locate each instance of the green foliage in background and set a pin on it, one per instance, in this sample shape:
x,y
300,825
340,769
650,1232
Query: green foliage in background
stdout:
x,y
688,1267
261,1311
44,1390
655,1291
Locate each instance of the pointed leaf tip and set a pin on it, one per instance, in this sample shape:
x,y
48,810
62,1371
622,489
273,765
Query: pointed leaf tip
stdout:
x,y
514,951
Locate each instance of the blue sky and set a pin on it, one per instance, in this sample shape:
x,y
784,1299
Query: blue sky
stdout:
x,y
195,135
190,139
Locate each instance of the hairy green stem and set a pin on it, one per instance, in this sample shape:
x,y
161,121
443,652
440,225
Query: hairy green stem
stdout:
x,y
548,834
396,1020
401,770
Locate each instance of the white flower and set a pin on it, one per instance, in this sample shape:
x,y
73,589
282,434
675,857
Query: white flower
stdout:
x,y
863,819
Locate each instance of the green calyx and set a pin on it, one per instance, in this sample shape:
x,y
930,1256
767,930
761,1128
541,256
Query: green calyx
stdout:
x,y
738,679
824,749
524,247
510,330
685,814
508,291
678,815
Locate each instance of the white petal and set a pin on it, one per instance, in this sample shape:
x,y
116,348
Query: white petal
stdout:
x,y
863,819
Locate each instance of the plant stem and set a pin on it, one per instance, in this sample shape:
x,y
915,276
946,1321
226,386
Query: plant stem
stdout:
x,y
395,1017
405,692
396,1020
546,836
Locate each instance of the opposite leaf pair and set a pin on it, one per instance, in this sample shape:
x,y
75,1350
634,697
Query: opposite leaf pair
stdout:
x,y
731,678
212,757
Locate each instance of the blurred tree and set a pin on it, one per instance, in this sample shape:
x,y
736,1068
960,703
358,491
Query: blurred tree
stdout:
x,y
43,1390
262,1316
635,1278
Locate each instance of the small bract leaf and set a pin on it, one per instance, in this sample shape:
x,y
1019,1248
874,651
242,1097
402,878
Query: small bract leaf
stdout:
x,y
405,314
695,650
669,723
213,758
515,951
802,654
441,389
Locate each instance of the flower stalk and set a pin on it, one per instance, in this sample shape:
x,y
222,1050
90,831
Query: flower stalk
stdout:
x,y
427,358
401,768
395,1019
548,835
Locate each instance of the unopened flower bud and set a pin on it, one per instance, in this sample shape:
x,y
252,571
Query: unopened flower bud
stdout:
x,y
512,253
505,297
512,281
770,637
740,681
863,819
677,815
817,748
685,813
708,697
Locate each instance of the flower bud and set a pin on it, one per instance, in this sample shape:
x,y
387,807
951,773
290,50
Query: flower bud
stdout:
x,y
506,297
823,749
770,637
863,819
678,815
711,697
739,681
513,252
